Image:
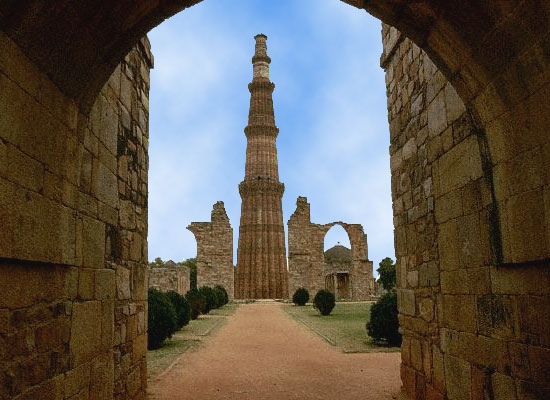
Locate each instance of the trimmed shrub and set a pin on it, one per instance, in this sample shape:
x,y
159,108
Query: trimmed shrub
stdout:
x,y
223,297
383,324
300,297
196,302
183,311
209,298
324,301
161,319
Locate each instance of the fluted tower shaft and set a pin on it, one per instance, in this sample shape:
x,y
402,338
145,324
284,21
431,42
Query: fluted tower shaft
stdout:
x,y
261,254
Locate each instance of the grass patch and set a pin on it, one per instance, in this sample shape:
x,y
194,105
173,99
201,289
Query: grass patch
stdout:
x,y
187,339
344,327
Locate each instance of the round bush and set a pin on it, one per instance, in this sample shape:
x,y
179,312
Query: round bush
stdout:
x,y
209,299
223,297
196,302
383,324
324,301
181,305
162,321
300,297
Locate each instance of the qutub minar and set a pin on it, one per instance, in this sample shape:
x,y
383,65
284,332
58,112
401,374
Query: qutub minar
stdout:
x,y
261,256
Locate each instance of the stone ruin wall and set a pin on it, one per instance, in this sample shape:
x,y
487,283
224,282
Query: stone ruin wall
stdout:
x,y
215,250
470,327
73,250
166,279
306,261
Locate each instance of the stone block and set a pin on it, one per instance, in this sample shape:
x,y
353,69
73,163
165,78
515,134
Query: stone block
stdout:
x,y
455,282
408,377
101,379
428,275
519,360
76,379
406,350
409,149
107,324
412,279
433,394
24,170
503,387
539,360
448,206
470,242
85,332
491,353
479,280
458,166
453,104
127,215
438,370
104,284
86,284
52,335
122,283
416,354
459,312
105,185
92,242
525,280
448,246
525,231
406,301
437,115
496,316
472,200
457,378
25,285
427,309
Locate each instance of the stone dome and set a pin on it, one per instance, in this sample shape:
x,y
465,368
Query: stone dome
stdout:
x,y
338,253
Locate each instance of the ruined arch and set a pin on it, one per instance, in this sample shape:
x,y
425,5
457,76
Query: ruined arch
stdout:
x,y
71,119
306,256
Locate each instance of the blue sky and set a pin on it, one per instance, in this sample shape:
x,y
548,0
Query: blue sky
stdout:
x,y
330,107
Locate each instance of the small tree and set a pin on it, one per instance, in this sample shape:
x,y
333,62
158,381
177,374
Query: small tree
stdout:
x,y
181,306
223,297
157,262
386,273
161,319
196,302
209,298
300,297
324,301
383,324
191,263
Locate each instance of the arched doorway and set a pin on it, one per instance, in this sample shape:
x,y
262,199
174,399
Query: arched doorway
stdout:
x,y
338,258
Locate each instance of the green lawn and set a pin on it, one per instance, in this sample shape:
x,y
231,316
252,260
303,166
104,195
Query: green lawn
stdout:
x,y
187,339
344,327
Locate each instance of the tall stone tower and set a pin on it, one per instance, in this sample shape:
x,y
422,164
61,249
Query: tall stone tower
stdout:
x,y
261,255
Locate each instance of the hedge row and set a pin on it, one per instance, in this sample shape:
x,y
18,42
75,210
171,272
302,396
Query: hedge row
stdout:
x,y
170,311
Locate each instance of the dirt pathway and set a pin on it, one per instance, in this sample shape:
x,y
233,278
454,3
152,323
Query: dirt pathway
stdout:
x,y
262,354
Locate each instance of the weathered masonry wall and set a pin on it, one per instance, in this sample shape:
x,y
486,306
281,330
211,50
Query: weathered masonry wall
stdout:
x,y
175,278
306,262
215,250
73,198
473,326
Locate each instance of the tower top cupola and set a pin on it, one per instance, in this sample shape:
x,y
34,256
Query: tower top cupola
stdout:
x,y
261,60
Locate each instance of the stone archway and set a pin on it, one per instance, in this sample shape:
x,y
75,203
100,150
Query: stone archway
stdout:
x,y
470,160
306,257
